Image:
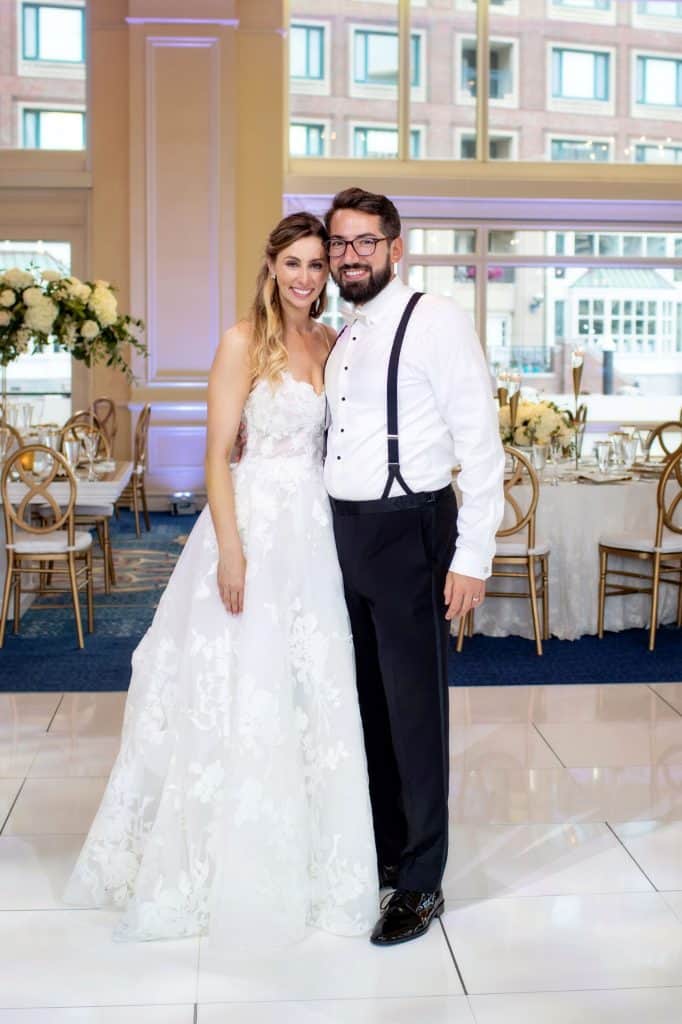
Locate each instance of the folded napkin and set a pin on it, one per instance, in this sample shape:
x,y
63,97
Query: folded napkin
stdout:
x,y
603,478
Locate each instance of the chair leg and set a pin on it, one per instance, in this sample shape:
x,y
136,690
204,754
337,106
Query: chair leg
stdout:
x,y
89,589
110,555
679,601
136,509
143,493
532,589
655,580
74,594
460,633
7,589
103,537
603,569
545,598
17,602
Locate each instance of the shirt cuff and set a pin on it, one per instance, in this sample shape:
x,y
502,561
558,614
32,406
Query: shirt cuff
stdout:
x,y
468,563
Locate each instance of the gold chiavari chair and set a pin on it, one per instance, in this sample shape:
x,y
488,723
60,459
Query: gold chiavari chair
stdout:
x,y
665,439
94,516
52,541
523,558
10,440
662,551
135,494
105,411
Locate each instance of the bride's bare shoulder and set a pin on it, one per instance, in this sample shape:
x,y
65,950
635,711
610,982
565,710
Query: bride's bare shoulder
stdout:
x,y
237,338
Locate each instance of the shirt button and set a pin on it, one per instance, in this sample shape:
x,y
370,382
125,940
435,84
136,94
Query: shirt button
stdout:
x,y
345,367
354,338
338,458
343,399
342,429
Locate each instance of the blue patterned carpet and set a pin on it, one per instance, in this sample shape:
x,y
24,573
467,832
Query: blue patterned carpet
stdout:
x,y
45,657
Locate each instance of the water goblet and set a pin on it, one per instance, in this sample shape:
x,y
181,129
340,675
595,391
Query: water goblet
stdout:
x,y
629,451
539,458
90,441
602,450
556,451
71,451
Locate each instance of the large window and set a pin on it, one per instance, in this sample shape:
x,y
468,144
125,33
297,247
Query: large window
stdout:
x,y
306,139
376,142
579,81
650,153
50,32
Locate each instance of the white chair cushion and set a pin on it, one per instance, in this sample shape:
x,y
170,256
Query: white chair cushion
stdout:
x,y
94,510
50,543
671,542
520,549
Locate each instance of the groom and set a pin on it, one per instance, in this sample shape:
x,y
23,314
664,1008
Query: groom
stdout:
x,y
408,392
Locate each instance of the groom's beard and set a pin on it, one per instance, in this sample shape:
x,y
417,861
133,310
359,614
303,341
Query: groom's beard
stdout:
x,y
359,292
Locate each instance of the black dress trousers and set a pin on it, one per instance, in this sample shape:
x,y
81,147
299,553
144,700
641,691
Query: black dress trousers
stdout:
x,y
394,559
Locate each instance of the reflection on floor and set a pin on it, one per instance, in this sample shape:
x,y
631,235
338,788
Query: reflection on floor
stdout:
x,y
564,883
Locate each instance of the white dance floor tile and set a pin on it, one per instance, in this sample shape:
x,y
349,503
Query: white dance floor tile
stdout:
x,y
608,702
674,901
60,756
672,692
615,743
67,958
34,870
629,1006
17,755
558,943
473,746
23,713
325,966
94,714
538,860
435,1010
505,794
657,848
102,1015
8,791
55,806
512,704
632,793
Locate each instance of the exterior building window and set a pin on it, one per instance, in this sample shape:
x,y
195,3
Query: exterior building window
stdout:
x,y
53,33
660,8
659,81
307,52
657,154
377,143
580,149
500,147
375,58
501,82
53,129
580,74
306,139
589,5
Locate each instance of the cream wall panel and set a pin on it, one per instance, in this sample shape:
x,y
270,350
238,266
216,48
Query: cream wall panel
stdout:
x,y
183,219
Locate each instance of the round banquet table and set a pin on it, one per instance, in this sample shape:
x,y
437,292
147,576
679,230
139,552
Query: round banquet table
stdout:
x,y
573,516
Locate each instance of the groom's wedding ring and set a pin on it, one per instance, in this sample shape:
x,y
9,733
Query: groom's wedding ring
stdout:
x,y
477,599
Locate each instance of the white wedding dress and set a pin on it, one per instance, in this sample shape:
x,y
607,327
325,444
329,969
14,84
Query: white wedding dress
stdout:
x,y
238,806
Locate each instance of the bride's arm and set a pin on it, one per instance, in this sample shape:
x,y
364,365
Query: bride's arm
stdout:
x,y
228,388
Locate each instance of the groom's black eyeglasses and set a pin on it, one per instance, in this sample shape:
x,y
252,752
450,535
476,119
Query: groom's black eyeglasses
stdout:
x,y
363,245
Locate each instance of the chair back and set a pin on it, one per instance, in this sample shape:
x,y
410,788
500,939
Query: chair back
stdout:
x,y
76,431
141,437
31,471
10,440
520,507
665,438
105,412
669,497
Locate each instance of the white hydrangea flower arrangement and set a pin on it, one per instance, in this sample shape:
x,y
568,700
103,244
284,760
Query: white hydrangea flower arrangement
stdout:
x,y
536,423
80,316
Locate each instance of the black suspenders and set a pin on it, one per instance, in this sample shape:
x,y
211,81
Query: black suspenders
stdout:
x,y
392,400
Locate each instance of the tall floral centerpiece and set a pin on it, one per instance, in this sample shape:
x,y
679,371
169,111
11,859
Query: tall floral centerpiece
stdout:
x,y
535,423
39,309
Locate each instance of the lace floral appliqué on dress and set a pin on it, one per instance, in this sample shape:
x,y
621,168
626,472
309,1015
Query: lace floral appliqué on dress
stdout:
x,y
238,806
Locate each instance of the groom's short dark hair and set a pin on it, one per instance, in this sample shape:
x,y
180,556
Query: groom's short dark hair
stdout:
x,y
368,202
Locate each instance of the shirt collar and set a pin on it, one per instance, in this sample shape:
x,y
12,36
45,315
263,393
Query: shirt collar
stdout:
x,y
395,293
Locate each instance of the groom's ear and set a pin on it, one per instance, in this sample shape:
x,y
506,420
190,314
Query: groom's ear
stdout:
x,y
396,250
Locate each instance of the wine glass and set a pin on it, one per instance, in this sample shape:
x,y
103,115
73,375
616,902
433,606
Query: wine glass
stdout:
x,y
556,451
90,440
602,450
71,450
539,457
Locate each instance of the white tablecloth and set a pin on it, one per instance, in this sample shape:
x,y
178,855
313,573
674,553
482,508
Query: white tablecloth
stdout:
x,y
103,491
572,517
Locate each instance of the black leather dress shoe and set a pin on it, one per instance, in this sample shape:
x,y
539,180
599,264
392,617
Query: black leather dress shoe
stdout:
x,y
406,916
388,876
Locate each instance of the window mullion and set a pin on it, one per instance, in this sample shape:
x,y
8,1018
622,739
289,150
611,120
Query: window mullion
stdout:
x,y
404,78
482,79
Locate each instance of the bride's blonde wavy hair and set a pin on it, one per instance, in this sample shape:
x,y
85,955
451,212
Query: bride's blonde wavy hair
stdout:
x,y
268,353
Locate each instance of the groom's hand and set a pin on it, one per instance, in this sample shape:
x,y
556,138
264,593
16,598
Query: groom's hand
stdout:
x,y
461,594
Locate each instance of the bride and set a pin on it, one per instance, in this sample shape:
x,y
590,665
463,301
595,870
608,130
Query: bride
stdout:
x,y
238,806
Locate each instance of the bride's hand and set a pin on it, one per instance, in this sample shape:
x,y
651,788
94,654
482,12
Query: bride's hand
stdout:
x,y
231,575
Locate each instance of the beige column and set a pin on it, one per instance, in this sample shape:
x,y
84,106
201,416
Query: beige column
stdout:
x,y
205,186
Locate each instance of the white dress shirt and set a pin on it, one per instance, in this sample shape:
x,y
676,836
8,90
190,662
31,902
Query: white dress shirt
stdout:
x,y
446,414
